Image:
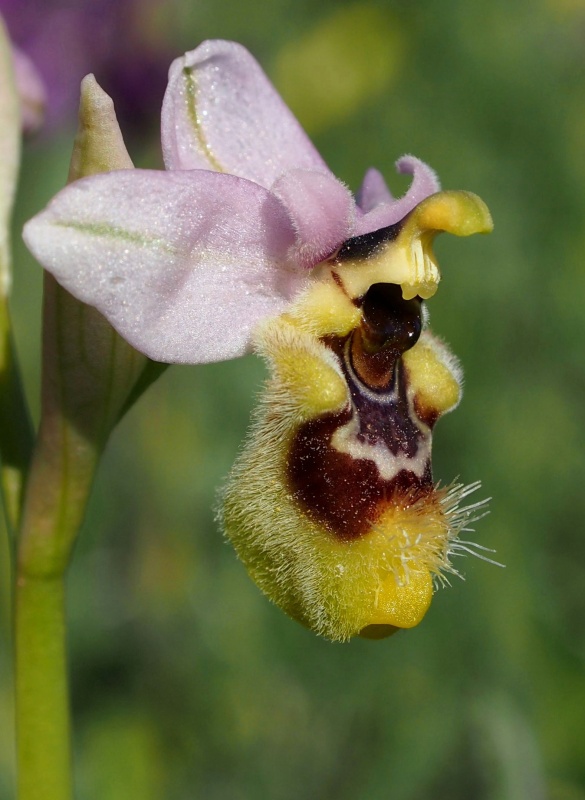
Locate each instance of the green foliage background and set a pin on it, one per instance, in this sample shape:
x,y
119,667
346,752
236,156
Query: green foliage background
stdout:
x,y
186,682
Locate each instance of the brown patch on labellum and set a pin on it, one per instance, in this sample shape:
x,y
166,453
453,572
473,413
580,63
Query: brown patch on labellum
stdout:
x,y
427,415
345,494
374,369
386,417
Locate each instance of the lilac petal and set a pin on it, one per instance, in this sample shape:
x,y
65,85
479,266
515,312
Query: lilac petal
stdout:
x,y
182,264
373,191
424,183
221,112
321,210
31,91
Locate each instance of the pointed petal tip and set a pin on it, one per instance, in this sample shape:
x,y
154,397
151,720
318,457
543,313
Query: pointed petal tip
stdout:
x,y
425,179
373,191
383,209
90,90
99,144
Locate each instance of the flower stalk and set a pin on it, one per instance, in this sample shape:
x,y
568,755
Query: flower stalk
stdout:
x,y
43,728
89,374
61,475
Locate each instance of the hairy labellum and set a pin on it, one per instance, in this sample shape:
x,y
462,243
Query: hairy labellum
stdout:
x,y
332,504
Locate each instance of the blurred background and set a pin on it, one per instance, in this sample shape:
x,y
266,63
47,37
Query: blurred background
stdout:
x,y
186,682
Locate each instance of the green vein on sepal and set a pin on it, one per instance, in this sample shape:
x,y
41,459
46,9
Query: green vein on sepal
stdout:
x,y
191,95
100,229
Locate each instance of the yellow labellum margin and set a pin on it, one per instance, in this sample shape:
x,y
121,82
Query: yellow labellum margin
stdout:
x,y
331,505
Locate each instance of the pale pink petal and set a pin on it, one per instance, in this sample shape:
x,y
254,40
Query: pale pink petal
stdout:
x,y
221,112
424,183
183,264
373,191
31,91
322,211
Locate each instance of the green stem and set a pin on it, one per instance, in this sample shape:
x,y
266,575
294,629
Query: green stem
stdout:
x,y
43,729
58,488
16,433
88,373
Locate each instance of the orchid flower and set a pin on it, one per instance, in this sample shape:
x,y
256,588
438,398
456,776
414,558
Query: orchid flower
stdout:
x,y
248,241
64,40
31,91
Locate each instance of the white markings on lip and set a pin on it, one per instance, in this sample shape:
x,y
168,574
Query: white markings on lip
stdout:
x,y
346,438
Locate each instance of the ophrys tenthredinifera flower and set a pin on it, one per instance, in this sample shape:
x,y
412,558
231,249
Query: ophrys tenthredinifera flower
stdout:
x,y
249,241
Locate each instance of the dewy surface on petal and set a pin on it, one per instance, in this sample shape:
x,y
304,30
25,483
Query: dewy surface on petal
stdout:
x,y
381,212
221,112
321,209
183,264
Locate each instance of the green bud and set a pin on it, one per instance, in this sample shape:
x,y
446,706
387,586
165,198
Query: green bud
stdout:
x,y
91,376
